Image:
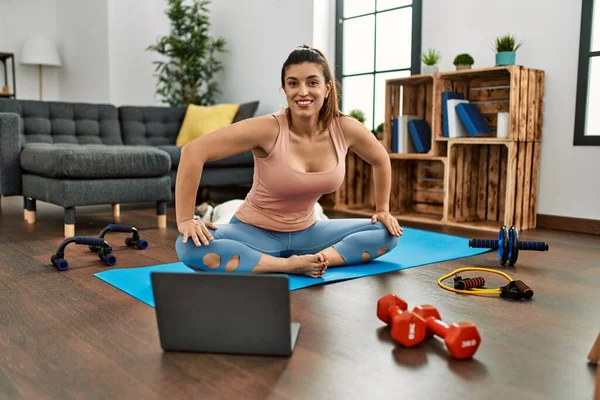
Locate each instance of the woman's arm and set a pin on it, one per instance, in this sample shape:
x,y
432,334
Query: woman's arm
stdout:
x,y
259,132
362,142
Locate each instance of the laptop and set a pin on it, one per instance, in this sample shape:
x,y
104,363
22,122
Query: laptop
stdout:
x,y
224,313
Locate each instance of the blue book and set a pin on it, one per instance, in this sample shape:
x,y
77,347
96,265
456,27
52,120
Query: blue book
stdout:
x,y
420,134
447,96
395,137
472,119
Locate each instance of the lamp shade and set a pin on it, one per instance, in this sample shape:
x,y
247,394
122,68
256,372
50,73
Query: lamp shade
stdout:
x,y
40,50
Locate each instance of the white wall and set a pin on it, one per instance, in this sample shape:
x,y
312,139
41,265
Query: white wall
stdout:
x,y
259,37
83,47
19,19
550,30
130,32
324,25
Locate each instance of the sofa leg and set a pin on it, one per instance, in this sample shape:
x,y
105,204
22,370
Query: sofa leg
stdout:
x,y
30,206
69,222
161,212
116,208
25,208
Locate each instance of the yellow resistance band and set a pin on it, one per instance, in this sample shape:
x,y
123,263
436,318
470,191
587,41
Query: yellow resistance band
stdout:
x,y
474,291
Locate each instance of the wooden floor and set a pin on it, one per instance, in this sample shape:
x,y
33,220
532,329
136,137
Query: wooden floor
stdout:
x,y
69,335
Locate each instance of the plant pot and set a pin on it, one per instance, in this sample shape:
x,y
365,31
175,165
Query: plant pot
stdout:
x,y
430,69
505,58
463,66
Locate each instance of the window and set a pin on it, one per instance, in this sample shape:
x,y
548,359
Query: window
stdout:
x,y
587,111
375,40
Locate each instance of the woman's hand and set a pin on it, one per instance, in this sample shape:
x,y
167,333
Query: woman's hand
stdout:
x,y
389,221
196,230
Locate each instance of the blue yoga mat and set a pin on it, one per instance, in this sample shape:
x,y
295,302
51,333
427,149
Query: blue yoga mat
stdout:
x,y
416,248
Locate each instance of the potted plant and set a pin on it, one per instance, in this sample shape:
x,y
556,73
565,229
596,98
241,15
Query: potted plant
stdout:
x,y
463,61
378,132
359,115
188,67
430,61
506,47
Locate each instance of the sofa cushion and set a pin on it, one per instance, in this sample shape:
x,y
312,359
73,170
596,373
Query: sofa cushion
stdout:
x,y
246,110
158,125
244,159
63,122
239,160
174,152
69,161
151,125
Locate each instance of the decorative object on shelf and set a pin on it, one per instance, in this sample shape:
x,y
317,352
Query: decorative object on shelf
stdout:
x,y
4,58
502,125
506,49
430,61
358,115
188,67
463,61
40,50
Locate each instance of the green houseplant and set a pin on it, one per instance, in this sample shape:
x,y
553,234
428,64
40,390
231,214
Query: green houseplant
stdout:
x,y
506,47
463,61
430,61
378,132
188,66
359,115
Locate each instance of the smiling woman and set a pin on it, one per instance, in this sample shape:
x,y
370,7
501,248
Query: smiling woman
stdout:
x,y
299,155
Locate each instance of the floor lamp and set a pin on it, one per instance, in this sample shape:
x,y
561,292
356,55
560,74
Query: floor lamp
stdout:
x,y
40,50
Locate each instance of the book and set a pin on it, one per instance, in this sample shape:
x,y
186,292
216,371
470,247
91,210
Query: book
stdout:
x,y
455,127
401,141
445,97
472,119
420,134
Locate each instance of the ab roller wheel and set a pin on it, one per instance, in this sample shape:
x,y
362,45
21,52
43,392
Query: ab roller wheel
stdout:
x,y
133,241
102,247
508,245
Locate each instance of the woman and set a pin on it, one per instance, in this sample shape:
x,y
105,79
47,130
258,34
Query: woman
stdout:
x,y
299,155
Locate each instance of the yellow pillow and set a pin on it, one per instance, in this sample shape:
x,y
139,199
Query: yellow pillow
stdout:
x,y
200,120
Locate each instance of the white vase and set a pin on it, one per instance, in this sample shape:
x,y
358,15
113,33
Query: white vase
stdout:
x,y
430,69
502,125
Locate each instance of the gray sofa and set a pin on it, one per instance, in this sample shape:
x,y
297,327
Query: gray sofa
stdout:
x,y
80,154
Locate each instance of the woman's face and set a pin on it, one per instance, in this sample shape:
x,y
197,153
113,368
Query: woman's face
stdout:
x,y
305,88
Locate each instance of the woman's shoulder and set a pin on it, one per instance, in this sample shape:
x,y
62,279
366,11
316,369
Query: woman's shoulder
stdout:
x,y
266,123
347,123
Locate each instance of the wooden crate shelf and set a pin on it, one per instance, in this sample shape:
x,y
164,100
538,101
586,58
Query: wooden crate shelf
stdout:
x,y
417,192
479,183
413,96
514,89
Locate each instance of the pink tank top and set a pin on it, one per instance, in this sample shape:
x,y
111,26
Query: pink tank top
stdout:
x,y
283,199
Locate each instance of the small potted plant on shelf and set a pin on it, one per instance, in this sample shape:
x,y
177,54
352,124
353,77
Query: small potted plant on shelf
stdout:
x,y
463,61
506,49
359,115
378,132
430,61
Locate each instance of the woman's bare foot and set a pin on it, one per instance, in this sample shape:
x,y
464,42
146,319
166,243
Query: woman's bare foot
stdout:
x,y
313,265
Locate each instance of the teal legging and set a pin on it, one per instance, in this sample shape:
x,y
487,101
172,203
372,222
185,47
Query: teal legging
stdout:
x,y
350,237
